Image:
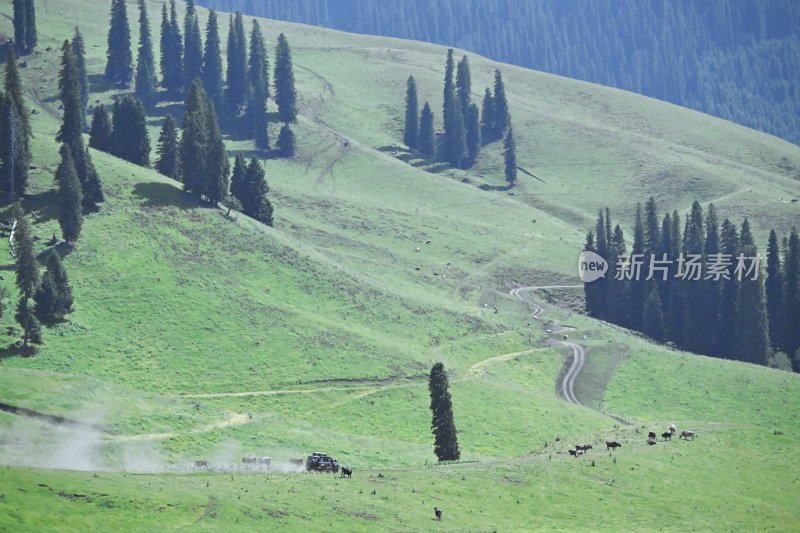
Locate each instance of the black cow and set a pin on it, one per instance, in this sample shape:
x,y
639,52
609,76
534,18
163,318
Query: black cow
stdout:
x,y
347,472
651,437
667,435
583,447
610,444
687,434
438,513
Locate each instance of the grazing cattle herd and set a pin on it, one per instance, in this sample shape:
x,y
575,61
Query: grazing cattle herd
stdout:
x,y
580,449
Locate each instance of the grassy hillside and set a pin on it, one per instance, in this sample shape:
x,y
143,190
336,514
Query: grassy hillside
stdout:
x,y
199,337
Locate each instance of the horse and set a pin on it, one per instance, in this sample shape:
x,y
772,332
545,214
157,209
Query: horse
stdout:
x,y
347,472
610,444
438,513
687,434
667,435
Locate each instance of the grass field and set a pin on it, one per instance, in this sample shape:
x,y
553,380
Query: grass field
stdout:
x,y
199,337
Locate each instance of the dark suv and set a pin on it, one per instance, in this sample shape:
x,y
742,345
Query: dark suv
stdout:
x,y
321,462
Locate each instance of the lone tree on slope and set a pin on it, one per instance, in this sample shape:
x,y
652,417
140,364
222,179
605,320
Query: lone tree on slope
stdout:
x,y
444,427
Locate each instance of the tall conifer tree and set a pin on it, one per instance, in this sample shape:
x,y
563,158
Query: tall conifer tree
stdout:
x,y
425,143
145,64
510,158
443,424
212,63
70,197
258,88
237,65
171,50
101,132
791,310
473,133
130,139
119,67
464,85
168,162
773,287
79,50
192,46
502,117
412,113
285,93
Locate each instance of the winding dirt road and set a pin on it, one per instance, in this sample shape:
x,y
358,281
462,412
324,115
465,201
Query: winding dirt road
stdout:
x,y
566,387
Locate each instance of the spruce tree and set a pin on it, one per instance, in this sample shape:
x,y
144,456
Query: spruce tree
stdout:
x,y
26,265
238,179
285,93
70,197
652,317
20,25
192,46
590,292
617,289
502,117
773,287
454,150
510,158
91,186
130,140
286,142
463,85
79,50
13,87
709,289
751,331
600,286
425,142
119,69
636,285
448,94
442,424
791,310
665,247
723,341
54,296
212,63
694,329
69,92
194,140
171,50
217,170
473,126
15,133
168,162
31,329
24,20
237,65
258,89
487,115
100,132
412,113
145,65
255,202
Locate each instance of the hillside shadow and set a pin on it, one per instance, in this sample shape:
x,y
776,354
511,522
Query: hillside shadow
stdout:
x,y
99,84
502,188
156,194
12,350
272,153
43,204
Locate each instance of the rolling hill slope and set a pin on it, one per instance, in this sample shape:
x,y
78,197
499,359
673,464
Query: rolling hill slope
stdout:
x,y
199,337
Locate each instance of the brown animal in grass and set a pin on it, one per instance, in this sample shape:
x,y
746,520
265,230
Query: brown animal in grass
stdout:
x,y
347,472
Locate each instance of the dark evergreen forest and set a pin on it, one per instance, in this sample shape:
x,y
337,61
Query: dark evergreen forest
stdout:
x,y
736,59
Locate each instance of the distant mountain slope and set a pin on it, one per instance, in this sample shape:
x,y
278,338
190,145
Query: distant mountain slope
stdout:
x,y
736,60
